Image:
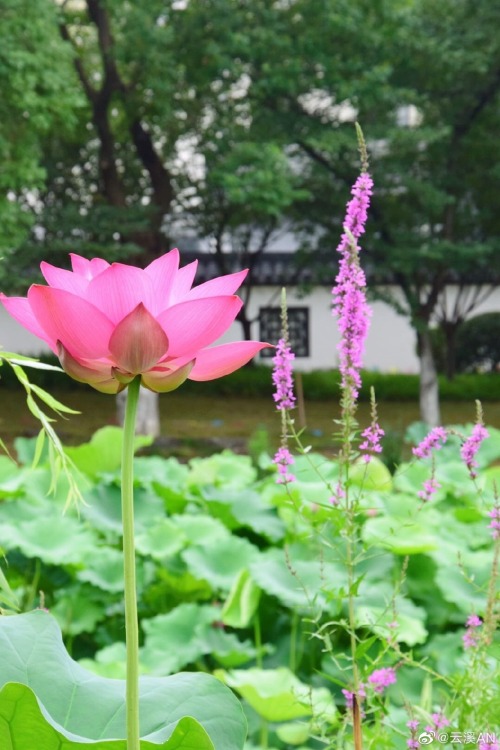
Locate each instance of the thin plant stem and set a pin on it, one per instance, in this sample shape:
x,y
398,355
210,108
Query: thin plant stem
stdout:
x,y
293,641
130,590
258,641
264,726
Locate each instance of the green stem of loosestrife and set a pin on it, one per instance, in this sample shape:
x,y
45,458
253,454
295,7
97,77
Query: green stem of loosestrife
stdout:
x,y
131,620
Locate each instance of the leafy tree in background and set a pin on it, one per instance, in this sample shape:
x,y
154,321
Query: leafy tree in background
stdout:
x,y
439,223
262,96
423,80
39,96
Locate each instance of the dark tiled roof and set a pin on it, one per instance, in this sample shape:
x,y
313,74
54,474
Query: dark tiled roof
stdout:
x,y
291,269
270,269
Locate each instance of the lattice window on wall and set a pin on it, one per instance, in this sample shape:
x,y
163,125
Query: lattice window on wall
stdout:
x,y
298,329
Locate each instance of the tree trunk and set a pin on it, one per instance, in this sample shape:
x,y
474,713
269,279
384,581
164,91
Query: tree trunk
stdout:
x,y
450,330
429,387
148,413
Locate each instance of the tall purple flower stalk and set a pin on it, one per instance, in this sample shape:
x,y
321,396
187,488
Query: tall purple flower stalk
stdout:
x,y
382,678
494,514
349,292
284,396
471,637
434,441
283,376
471,446
373,434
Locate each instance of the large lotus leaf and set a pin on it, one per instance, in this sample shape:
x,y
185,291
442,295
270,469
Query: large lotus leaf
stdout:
x,y
403,537
294,733
313,467
463,582
201,528
244,507
410,623
103,453
24,726
166,477
25,449
104,569
220,562
370,476
224,469
161,541
7,597
56,539
86,707
166,472
174,639
186,634
297,583
103,508
35,485
11,477
277,695
410,477
77,611
242,602
451,475
447,652
110,661
490,477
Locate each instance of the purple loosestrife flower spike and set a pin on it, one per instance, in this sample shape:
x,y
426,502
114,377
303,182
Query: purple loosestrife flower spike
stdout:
x,y
471,446
284,396
432,442
349,695
283,459
430,487
494,525
471,637
382,678
349,292
283,376
373,434
438,722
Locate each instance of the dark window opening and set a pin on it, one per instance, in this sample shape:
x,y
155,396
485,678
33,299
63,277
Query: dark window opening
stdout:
x,y
298,329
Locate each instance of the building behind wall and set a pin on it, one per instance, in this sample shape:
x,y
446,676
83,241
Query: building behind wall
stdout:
x,y
390,346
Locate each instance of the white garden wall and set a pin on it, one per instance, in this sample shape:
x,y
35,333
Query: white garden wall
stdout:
x,y
390,345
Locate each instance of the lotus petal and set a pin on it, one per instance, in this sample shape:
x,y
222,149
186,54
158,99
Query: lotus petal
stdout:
x,y
138,342
163,381
222,360
215,287
20,309
58,278
162,273
119,289
98,375
183,282
87,268
191,326
82,328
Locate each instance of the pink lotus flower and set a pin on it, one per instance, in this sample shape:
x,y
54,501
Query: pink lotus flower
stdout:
x,y
110,323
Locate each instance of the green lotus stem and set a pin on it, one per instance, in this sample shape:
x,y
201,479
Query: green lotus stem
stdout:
x,y
130,590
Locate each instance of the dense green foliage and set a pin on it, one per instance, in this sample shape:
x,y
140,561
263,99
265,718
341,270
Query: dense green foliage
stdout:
x,y
239,577
478,344
234,120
